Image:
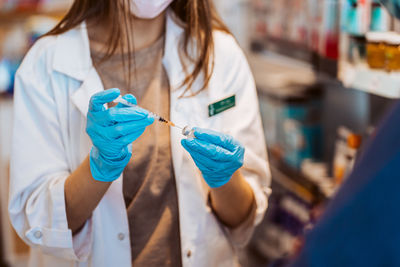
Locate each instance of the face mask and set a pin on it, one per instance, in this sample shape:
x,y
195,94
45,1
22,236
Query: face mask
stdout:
x,y
148,9
393,6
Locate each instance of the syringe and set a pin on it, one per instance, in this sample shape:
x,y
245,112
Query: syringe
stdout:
x,y
155,116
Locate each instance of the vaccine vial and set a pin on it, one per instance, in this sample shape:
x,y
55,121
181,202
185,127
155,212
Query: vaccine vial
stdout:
x,y
188,132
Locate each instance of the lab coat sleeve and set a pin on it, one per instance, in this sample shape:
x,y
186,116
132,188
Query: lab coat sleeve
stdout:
x,y
243,122
39,168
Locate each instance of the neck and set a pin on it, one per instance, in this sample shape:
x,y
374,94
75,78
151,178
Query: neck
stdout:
x,y
144,32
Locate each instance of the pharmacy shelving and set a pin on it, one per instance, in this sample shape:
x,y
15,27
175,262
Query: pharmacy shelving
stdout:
x,y
358,77
273,71
300,52
302,45
285,47
13,251
295,182
15,15
377,82
276,74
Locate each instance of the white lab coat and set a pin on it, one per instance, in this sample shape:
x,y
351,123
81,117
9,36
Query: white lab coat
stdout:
x,y
52,91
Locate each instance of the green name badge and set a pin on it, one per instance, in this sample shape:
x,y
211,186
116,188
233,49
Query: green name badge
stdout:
x,y
221,106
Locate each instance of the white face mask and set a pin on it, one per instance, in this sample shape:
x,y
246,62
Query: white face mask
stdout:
x,y
148,9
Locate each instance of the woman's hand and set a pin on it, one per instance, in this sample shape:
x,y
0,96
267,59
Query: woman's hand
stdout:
x,y
219,158
112,132
217,155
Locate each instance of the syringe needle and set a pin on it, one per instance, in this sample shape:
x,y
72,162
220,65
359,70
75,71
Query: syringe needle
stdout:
x,y
170,123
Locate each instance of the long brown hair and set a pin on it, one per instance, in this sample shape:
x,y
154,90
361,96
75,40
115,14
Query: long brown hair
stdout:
x,y
199,19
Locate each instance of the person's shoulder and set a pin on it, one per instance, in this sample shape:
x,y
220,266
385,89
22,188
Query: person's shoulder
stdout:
x,y
226,45
228,55
39,57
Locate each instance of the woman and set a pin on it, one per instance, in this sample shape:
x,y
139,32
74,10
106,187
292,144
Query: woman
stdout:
x,y
82,194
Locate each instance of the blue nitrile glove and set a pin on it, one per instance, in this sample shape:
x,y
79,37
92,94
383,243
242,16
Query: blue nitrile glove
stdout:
x,y
217,155
112,132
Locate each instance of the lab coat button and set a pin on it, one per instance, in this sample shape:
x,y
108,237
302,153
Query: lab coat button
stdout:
x,y
121,236
189,253
38,234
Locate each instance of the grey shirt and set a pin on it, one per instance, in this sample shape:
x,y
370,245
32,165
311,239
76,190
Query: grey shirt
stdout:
x,y
149,185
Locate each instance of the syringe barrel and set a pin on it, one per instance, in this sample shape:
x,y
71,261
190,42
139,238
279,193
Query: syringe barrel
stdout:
x,y
126,103
155,116
123,101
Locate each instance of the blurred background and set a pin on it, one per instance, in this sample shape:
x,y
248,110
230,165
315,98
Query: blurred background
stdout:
x,y
21,23
326,72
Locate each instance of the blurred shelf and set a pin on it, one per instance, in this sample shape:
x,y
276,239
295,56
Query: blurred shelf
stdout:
x,y
326,67
295,182
376,82
292,54
283,47
4,95
14,15
298,51
278,63
274,72
287,182
289,48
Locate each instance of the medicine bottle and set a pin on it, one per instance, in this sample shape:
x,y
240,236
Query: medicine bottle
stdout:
x,y
376,50
392,52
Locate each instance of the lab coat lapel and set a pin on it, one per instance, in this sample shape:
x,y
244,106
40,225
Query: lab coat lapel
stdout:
x,y
72,58
181,111
174,69
91,85
72,54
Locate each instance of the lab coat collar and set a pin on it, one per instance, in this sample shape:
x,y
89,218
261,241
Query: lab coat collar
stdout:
x,y
72,54
73,58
